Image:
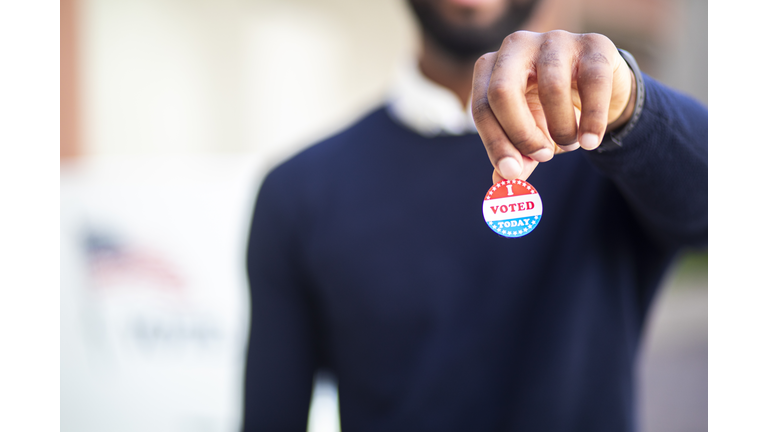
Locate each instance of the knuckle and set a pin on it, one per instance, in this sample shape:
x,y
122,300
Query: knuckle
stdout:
x,y
498,91
518,36
559,91
595,59
549,58
563,137
501,61
596,39
552,87
557,34
596,113
481,110
554,41
525,143
595,76
595,69
497,147
597,43
483,59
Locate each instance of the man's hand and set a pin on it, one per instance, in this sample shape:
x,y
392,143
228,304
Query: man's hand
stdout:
x,y
548,93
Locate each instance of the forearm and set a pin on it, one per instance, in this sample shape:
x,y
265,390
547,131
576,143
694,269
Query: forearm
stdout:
x,y
661,167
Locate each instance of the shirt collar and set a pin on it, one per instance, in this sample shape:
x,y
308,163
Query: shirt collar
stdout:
x,y
426,107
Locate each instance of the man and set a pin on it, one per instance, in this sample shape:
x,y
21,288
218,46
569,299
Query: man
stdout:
x,y
368,255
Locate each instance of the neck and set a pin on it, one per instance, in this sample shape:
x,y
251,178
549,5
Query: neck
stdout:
x,y
446,70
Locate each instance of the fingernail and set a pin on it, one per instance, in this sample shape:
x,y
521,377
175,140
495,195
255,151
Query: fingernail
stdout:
x,y
570,147
542,155
509,168
589,141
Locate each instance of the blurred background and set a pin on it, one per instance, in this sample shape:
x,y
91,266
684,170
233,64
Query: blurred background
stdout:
x,y
171,113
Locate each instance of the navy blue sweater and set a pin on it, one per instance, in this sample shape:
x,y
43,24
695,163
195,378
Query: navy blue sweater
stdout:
x,y
369,257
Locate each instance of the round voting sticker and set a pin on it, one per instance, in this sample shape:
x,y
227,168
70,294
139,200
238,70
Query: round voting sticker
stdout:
x,y
512,208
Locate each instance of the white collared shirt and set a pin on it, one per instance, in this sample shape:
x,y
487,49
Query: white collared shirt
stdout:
x,y
426,107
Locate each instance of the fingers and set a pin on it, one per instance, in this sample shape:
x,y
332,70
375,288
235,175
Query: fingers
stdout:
x,y
528,168
505,157
517,109
547,93
526,172
594,78
554,68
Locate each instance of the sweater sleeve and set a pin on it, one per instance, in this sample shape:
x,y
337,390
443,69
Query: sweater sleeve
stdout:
x,y
282,355
661,167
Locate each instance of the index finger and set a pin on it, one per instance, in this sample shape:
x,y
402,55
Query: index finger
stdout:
x,y
506,159
513,96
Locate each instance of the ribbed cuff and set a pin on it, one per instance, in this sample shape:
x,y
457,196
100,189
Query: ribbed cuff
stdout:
x,y
613,139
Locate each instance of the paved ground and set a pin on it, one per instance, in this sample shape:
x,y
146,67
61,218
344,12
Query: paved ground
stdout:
x,y
672,372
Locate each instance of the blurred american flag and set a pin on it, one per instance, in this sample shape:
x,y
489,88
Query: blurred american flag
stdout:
x,y
111,262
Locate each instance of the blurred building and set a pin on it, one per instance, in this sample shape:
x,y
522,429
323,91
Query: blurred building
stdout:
x,y
267,76
171,113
